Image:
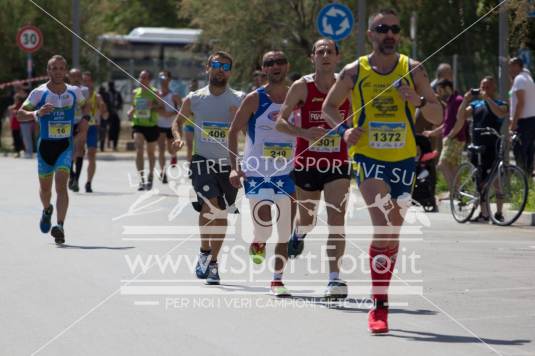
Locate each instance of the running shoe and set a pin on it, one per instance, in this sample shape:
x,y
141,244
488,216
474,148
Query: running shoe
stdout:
x,y
59,234
336,290
164,178
201,270
378,319
88,188
75,188
257,251
173,161
213,274
141,186
46,216
148,186
295,245
279,290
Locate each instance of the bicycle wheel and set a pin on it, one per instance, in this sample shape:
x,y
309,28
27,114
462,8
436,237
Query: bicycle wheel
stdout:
x,y
507,195
464,197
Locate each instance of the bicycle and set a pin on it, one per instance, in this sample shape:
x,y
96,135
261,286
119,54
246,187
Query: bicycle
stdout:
x,y
504,191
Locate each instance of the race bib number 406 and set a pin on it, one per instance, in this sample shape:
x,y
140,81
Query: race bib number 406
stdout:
x,y
214,132
387,134
275,150
59,129
329,143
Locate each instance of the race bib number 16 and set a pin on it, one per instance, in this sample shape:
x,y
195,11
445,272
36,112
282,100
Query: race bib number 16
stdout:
x,y
59,129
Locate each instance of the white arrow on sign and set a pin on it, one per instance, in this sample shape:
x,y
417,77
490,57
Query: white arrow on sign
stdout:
x,y
334,11
327,28
343,26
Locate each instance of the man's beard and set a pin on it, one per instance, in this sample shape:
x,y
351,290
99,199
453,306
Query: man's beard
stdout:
x,y
276,79
218,82
388,48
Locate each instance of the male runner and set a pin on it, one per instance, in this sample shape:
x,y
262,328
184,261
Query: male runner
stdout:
x,y
98,110
53,105
81,126
320,165
266,164
211,108
386,87
171,103
144,116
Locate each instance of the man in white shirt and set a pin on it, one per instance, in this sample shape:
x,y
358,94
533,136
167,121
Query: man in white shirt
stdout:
x,y
523,114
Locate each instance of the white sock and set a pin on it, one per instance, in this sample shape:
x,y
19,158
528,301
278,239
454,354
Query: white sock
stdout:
x,y
333,276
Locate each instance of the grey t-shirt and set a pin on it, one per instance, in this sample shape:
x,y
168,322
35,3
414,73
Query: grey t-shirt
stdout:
x,y
213,114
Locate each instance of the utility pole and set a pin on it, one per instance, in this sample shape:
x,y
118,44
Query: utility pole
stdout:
x,y
361,34
503,45
76,30
414,34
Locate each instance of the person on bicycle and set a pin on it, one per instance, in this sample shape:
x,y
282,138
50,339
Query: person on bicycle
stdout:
x,y
486,111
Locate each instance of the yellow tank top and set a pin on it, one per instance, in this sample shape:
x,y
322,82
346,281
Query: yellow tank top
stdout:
x,y
387,120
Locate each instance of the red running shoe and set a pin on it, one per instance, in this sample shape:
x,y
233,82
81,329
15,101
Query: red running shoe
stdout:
x,y
173,161
378,320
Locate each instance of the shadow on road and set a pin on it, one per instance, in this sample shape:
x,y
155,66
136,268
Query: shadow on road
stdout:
x,y
65,246
433,337
355,305
106,194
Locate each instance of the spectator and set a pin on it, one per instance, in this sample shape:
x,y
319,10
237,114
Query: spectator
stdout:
x,y
115,104
453,136
103,127
523,114
486,111
444,71
15,125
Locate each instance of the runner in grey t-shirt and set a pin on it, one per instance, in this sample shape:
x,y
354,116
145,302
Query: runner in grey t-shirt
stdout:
x,y
211,110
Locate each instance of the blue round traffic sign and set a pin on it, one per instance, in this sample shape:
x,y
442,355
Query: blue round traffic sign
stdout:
x,y
335,21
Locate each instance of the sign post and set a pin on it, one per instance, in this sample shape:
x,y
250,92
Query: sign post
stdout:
x,y
335,21
30,40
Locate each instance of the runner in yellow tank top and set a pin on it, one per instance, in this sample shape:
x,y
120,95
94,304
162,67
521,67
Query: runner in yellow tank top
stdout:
x,y
385,88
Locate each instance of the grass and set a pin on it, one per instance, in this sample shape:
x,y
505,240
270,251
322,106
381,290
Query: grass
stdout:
x,y
530,204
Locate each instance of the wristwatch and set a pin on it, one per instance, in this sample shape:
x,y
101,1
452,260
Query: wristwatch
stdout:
x,y
423,101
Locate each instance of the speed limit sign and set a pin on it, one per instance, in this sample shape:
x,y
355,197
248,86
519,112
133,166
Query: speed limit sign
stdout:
x,y
29,38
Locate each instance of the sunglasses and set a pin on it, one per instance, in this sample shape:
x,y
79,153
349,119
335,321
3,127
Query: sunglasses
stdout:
x,y
218,65
272,62
385,28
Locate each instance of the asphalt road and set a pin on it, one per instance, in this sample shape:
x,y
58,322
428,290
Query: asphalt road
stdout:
x,y
123,283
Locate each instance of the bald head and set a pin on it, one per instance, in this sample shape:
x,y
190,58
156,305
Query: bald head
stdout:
x,y
444,71
75,76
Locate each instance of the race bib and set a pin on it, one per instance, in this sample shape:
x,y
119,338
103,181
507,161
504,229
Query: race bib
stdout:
x,y
142,108
387,134
329,143
275,150
59,129
214,132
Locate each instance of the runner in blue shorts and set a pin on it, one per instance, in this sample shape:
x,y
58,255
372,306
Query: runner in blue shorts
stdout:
x,y
53,105
267,164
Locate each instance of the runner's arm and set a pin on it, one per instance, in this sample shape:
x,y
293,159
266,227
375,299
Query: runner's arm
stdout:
x,y
185,111
520,102
296,95
131,110
432,110
336,96
102,108
241,118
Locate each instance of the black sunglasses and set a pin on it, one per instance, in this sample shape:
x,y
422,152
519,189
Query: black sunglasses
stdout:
x,y
385,28
272,62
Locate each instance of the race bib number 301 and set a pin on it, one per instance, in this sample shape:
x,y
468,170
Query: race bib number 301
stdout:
x,y
59,129
275,150
214,132
329,143
387,134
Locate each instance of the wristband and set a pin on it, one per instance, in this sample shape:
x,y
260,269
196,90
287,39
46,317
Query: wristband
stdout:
x,y
36,115
340,130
